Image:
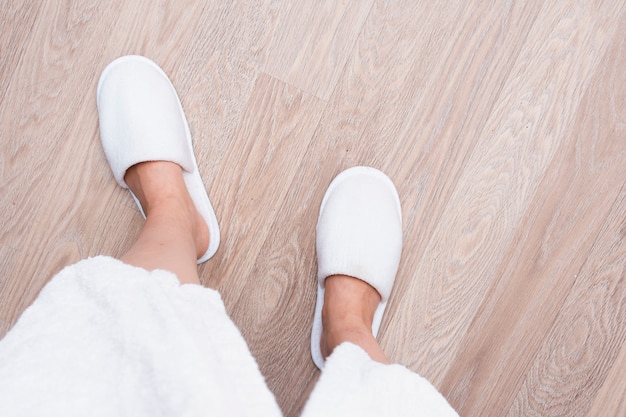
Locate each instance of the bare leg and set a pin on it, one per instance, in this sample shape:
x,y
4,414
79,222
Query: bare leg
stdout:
x,y
349,306
174,235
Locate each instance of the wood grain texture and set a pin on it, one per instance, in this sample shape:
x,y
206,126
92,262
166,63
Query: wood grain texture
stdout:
x,y
499,179
611,399
546,255
502,125
585,338
13,36
44,127
312,41
587,335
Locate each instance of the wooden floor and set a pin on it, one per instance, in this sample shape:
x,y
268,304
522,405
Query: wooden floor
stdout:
x,y
502,124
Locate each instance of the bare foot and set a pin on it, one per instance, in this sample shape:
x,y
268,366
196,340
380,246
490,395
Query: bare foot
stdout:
x,y
347,315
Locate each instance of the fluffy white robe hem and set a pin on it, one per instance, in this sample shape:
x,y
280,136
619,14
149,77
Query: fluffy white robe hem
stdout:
x,y
108,339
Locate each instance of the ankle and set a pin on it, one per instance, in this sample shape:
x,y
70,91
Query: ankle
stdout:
x,y
170,207
154,181
350,328
348,312
349,299
162,192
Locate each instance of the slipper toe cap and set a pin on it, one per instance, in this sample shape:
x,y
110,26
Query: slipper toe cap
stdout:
x,y
359,230
140,116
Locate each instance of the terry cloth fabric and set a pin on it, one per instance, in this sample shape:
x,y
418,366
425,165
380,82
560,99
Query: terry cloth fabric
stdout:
x,y
108,339
352,384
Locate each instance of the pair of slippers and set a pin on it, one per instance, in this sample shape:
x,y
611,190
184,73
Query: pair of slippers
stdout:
x,y
359,229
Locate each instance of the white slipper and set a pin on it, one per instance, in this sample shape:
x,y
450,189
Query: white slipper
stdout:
x,y
359,234
141,119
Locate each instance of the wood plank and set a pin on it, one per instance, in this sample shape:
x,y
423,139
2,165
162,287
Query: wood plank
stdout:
x,y
611,399
543,258
257,173
585,340
217,76
47,116
254,182
526,127
21,16
455,94
312,41
580,348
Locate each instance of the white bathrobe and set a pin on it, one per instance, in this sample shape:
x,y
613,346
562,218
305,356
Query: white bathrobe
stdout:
x,y
108,339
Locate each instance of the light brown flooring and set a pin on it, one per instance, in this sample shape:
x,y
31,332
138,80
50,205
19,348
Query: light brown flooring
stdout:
x,y
503,125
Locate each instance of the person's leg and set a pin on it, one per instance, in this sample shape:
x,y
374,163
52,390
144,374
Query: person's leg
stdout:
x,y
174,235
359,243
349,306
142,125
